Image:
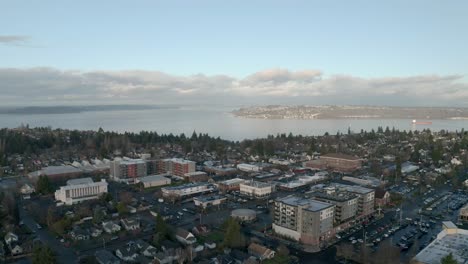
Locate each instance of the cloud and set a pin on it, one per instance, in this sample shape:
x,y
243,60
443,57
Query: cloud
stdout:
x,y
14,40
52,86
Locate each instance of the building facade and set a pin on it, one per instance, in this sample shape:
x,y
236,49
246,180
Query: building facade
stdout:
x,y
346,204
231,185
341,162
307,221
176,167
127,170
154,181
181,191
255,189
79,190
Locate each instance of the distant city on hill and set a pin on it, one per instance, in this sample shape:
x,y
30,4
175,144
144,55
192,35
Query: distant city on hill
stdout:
x,y
351,112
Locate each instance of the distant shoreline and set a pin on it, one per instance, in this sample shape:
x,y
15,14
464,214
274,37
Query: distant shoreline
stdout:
x,y
351,112
31,110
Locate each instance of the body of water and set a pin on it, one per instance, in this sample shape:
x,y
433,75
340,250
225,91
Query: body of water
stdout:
x,y
214,121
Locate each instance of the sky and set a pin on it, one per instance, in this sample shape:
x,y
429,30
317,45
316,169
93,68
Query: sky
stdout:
x,y
234,52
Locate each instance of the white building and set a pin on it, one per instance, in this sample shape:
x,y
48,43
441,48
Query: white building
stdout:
x,y
452,240
248,167
187,190
256,189
154,180
78,190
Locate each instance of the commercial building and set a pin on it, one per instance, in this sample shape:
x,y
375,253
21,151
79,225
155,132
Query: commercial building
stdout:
x,y
55,172
79,190
249,167
255,189
154,180
127,170
451,240
181,191
305,220
341,162
346,204
176,167
231,185
196,176
244,215
208,201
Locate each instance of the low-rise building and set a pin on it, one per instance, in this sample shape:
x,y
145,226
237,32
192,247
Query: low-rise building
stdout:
x,y
110,227
451,240
78,190
256,189
260,252
209,201
231,185
341,162
130,224
249,167
128,253
185,237
26,190
244,215
154,180
106,257
196,176
185,190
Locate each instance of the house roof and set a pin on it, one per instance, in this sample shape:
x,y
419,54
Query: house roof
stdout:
x,y
380,193
258,249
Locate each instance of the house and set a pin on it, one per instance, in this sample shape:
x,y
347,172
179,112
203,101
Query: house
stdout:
x,y
128,253
26,190
130,224
185,237
105,257
166,257
11,237
210,245
79,233
15,248
110,227
260,251
382,197
200,230
146,249
95,232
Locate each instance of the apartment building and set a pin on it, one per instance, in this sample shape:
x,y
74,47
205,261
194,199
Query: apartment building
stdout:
x,y
176,167
78,190
346,204
127,170
256,189
366,198
307,221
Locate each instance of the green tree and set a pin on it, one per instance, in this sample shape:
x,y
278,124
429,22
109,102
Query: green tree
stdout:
x,y
162,231
233,237
44,186
449,259
43,255
122,208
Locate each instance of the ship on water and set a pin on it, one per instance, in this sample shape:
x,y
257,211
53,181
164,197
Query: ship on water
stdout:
x,y
415,122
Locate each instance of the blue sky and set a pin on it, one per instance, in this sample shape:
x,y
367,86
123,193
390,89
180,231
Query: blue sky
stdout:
x,y
363,39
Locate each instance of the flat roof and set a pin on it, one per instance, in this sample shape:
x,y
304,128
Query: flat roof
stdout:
x,y
450,240
233,181
354,188
339,156
308,204
257,184
209,198
159,177
178,160
80,181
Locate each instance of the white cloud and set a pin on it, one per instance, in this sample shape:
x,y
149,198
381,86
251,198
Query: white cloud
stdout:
x,y
52,86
